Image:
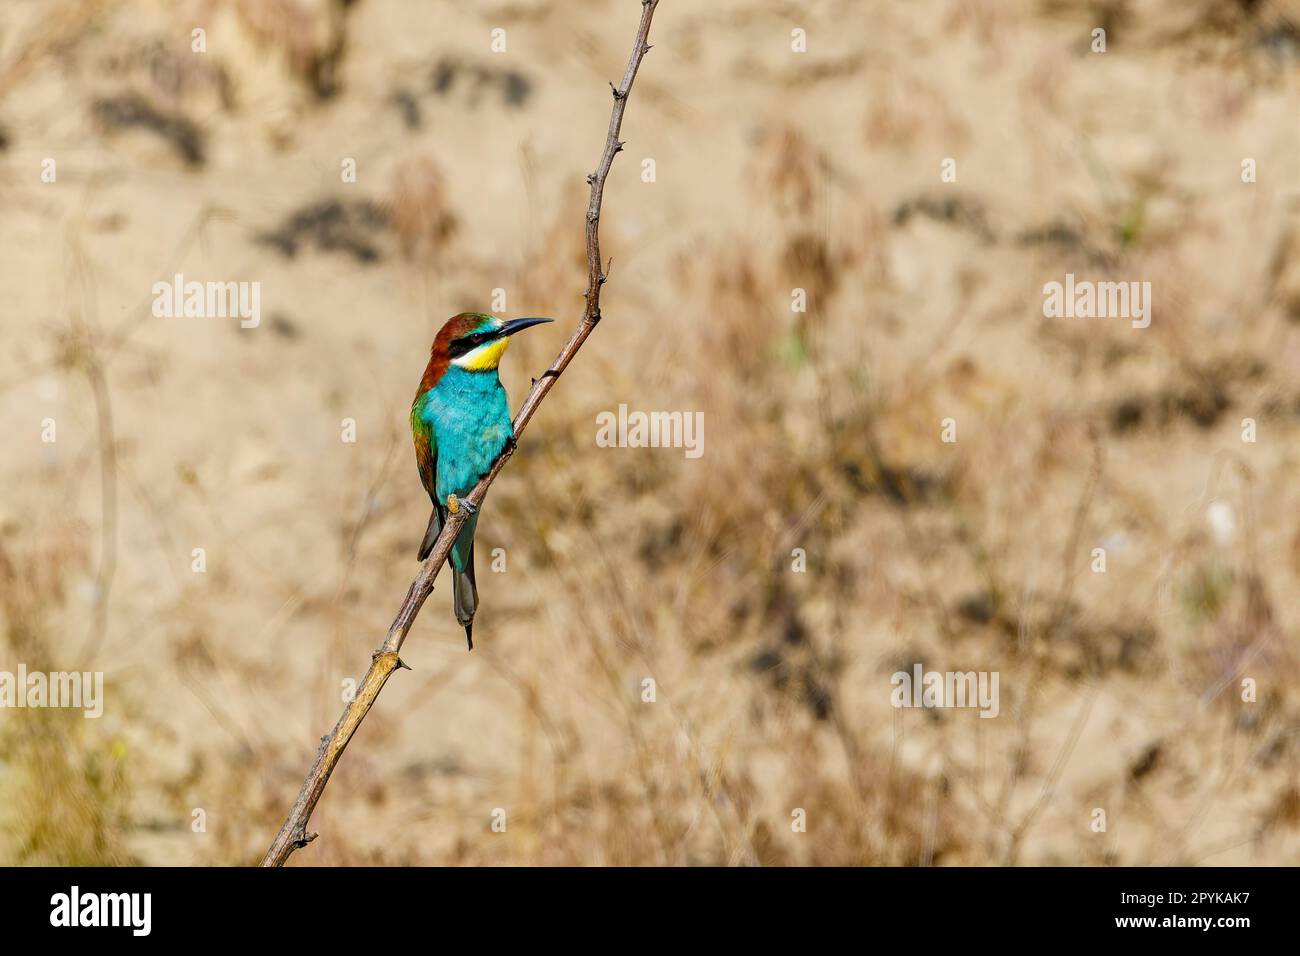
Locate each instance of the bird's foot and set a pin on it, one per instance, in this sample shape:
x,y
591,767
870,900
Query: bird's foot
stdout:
x,y
454,504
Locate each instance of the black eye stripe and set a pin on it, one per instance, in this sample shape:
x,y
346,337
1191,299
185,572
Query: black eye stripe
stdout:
x,y
469,343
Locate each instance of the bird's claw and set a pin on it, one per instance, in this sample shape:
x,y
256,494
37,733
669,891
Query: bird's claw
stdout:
x,y
454,504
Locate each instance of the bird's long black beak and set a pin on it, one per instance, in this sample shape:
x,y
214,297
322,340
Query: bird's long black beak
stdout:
x,y
518,325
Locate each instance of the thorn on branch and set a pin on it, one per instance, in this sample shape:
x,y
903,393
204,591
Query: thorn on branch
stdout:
x,y
618,94
549,373
402,665
618,147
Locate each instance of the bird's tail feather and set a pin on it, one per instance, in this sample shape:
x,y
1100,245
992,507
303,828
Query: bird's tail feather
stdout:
x,y
465,597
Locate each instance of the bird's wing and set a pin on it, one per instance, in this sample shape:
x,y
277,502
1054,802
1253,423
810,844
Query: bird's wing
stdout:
x,y
426,459
431,532
426,451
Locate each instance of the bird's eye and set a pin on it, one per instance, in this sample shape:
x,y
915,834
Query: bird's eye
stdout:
x,y
467,343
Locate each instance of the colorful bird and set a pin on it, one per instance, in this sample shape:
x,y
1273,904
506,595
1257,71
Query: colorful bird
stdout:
x,y
460,420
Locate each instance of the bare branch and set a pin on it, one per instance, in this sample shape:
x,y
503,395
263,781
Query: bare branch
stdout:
x,y
293,834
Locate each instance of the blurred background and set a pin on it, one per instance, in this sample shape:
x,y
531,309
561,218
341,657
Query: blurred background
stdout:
x,y
827,536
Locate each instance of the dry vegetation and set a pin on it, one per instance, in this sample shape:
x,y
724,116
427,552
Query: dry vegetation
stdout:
x,y
774,171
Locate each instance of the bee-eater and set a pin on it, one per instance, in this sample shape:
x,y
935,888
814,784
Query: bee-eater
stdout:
x,y
460,420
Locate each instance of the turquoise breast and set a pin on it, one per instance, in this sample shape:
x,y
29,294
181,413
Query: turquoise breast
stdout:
x,y
470,419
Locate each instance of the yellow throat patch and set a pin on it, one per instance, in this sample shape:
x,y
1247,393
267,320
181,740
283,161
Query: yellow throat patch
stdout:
x,y
484,358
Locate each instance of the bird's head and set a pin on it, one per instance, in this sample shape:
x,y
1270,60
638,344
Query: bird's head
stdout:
x,y
473,341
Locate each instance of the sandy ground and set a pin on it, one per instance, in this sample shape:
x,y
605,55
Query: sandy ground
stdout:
x,y
751,171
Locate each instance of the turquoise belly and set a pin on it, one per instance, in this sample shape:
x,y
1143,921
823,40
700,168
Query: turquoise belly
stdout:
x,y
470,420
